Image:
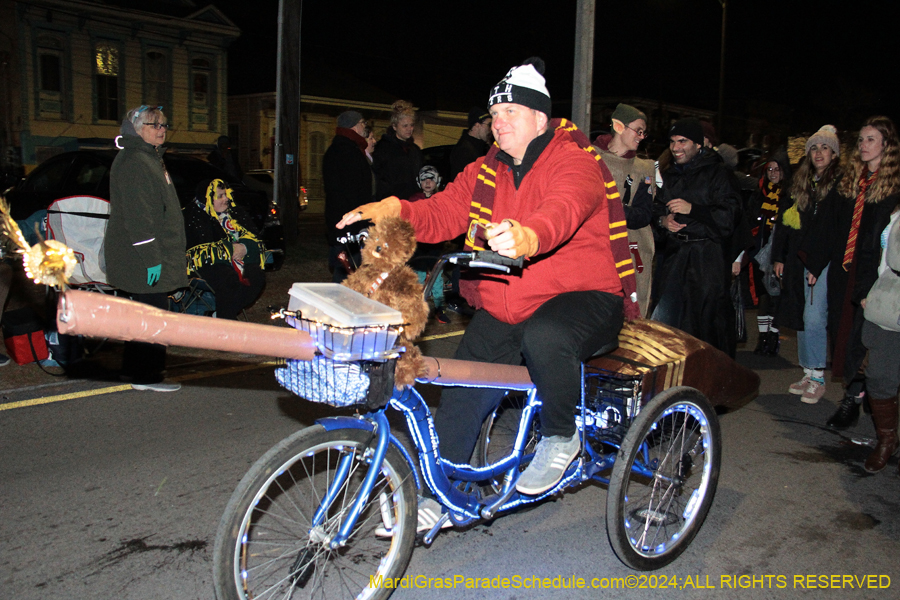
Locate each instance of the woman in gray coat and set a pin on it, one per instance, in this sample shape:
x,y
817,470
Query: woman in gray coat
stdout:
x,y
881,336
145,243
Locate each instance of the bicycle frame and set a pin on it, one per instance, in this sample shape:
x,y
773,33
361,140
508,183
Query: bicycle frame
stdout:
x,y
441,475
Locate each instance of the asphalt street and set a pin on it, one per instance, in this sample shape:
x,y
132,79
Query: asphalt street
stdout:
x,y
109,493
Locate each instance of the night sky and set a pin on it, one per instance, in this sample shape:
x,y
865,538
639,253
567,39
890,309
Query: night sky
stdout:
x,y
822,60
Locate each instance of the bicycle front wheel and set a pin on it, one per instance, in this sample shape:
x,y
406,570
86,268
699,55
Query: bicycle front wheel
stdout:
x,y
267,547
664,479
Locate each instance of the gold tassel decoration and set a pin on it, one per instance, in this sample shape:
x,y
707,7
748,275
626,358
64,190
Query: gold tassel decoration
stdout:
x,y
49,262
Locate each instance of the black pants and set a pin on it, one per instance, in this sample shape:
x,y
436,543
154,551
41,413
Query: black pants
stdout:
x,y
553,342
232,296
143,362
766,305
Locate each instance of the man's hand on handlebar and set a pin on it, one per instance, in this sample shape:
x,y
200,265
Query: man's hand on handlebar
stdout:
x,y
374,211
509,238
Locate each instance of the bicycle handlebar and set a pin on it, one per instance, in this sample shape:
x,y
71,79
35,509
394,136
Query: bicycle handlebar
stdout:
x,y
354,238
485,259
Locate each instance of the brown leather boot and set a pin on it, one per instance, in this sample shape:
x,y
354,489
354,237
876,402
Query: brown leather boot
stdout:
x,y
885,415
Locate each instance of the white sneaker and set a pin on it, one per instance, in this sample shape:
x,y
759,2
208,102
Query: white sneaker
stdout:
x,y
798,387
157,387
552,457
430,512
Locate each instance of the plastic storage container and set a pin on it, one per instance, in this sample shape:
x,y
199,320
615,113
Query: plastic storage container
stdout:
x,y
345,324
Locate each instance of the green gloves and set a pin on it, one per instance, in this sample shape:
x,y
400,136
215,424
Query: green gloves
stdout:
x,y
153,274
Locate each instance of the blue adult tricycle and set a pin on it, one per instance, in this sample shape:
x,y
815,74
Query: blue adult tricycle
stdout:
x,y
333,508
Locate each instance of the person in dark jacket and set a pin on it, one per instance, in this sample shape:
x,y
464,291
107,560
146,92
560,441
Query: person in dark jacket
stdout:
x,y
473,143
869,192
799,256
347,176
397,158
144,244
223,249
698,208
762,211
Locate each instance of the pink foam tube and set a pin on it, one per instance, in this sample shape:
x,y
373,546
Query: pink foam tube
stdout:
x,y
450,371
101,315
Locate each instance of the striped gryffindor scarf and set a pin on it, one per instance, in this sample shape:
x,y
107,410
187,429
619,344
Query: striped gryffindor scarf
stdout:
x,y
481,212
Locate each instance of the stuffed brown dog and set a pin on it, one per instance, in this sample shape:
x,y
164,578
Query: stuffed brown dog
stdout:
x,y
384,276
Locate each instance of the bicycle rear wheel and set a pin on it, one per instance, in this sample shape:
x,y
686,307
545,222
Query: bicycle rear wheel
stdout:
x,y
266,546
664,479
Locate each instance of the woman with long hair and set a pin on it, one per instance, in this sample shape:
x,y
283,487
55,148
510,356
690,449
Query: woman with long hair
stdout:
x,y
869,191
803,275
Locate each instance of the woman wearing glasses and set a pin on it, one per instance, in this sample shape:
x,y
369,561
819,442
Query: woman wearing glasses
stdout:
x,y
804,292
145,240
636,180
762,209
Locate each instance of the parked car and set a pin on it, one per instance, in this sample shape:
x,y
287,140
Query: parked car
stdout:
x,y
86,173
264,180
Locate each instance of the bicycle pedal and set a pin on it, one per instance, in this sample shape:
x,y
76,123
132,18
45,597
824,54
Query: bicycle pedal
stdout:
x,y
432,533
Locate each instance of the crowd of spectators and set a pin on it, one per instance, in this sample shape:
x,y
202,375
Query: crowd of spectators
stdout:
x,y
807,241
799,242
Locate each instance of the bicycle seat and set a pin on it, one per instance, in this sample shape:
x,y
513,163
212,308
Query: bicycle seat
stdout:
x,y
606,349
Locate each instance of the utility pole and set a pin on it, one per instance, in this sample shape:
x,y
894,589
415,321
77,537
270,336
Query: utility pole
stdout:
x,y
721,119
584,65
287,119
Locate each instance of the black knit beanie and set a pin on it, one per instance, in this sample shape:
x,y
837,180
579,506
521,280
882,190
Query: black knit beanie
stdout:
x,y
688,127
524,85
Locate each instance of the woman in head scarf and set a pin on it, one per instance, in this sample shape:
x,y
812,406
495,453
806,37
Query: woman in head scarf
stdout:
x,y
222,248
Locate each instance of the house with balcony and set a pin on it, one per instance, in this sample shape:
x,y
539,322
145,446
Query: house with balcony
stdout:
x,y
71,69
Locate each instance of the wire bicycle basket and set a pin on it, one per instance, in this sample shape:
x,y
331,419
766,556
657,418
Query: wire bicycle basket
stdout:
x,y
612,401
355,337
339,384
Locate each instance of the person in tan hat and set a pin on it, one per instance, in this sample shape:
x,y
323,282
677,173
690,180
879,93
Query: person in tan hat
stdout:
x,y
636,180
799,226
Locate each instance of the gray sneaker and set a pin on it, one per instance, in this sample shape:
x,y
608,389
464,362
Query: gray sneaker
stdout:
x,y
552,457
430,512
